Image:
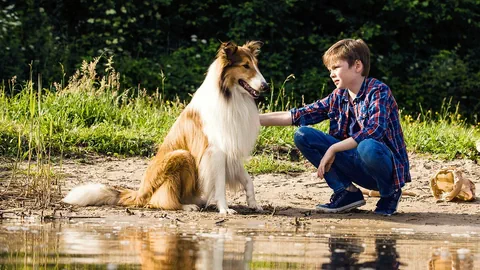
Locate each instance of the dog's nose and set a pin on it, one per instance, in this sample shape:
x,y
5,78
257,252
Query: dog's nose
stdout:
x,y
264,87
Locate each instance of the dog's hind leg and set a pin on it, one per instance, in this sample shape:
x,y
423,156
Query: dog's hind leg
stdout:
x,y
151,181
178,183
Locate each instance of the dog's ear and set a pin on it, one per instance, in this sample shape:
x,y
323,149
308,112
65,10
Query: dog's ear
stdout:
x,y
254,46
229,48
226,51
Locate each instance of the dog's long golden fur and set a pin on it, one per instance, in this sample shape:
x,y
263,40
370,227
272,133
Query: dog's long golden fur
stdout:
x,y
172,174
205,149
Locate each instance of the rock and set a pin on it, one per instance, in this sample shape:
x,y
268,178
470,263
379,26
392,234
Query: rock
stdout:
x,y
478,146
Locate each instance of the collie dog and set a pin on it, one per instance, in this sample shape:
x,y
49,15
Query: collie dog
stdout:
x,y
205,149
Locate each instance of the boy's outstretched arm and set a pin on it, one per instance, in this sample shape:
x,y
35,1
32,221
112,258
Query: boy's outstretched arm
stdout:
x,y
276,119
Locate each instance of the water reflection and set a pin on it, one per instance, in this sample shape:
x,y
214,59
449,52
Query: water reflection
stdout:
x,y
387,255
136,245
448,258
160,251
345,254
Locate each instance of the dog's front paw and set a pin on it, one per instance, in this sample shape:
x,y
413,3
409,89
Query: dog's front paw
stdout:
x,y
227,211
190,207
255,206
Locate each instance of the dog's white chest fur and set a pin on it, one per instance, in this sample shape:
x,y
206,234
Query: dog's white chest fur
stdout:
x,y
231,124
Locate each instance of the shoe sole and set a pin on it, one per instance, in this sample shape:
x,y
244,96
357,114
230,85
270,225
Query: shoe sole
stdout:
x,y
384,214
343,209
394,212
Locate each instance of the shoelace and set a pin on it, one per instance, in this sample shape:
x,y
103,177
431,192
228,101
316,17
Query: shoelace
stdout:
x,y
336,196
332,197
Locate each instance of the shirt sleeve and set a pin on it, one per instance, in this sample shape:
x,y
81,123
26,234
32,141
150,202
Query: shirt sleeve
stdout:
x,y
312,113
378,111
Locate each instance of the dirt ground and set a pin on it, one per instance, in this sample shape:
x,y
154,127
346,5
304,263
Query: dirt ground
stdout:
x,y
285,198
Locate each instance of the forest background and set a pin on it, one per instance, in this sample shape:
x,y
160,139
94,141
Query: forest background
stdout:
x,y
426,51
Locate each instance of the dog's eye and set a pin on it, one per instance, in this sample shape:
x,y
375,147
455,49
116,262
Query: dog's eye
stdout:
x,y
246,66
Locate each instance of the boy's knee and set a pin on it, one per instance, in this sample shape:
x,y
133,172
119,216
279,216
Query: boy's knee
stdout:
x,y
306,135
299,136
370,150
365,145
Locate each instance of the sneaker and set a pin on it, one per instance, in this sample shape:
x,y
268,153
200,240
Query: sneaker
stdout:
x,y
342,201
387,206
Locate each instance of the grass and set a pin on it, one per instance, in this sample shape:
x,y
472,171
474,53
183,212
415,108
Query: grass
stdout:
x,y
87,116
444,134
90,115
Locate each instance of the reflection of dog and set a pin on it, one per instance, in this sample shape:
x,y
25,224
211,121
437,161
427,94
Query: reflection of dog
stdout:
x,y
161,250
158,248
207,145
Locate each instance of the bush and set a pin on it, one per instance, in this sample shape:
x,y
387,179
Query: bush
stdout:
x,y
166,46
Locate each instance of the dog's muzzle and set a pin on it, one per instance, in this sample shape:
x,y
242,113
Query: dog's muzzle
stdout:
x,y
254,93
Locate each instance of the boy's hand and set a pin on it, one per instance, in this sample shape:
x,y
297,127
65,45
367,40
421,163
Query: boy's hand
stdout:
x,y
326,162
329,157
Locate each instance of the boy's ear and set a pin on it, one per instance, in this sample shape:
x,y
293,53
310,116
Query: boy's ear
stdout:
x,y
358,65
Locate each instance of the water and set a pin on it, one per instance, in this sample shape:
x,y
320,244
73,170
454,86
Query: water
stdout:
x,y
168,244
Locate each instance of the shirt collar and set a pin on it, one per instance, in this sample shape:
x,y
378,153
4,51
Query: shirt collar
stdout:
x,y
363,89
360,94
345,95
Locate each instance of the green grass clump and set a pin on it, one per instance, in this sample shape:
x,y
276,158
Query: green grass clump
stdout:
x,y
444,134
268,163
90,115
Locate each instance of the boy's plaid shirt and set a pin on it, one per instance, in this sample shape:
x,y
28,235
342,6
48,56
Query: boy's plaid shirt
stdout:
x,y
376,113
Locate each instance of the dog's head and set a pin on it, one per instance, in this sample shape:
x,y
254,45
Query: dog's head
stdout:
x,y
240,69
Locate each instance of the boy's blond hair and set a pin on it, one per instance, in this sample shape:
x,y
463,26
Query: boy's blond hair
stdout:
x,y
348,50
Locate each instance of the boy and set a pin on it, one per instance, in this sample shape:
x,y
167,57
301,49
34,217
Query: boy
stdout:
x,y
365,143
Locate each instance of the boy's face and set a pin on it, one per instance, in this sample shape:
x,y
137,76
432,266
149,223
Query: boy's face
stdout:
x,y
344,76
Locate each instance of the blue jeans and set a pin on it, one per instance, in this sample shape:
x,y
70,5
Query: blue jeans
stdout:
x,y
370,165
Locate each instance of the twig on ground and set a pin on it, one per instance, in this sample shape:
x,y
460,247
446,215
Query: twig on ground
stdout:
x,y
220,222
274,210
315,183
374,193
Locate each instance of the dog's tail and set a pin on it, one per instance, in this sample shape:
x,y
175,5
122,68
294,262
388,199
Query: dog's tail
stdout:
x,y
100,194
92,194
167,180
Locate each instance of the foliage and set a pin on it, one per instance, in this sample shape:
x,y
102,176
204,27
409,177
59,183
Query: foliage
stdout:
x,y
424,50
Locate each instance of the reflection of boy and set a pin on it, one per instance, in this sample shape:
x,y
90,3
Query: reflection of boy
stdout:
x,y
344,253
365,143
387,256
